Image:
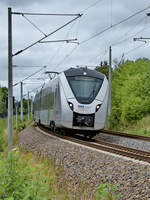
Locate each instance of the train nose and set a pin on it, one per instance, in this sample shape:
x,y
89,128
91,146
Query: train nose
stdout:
x,y
85,121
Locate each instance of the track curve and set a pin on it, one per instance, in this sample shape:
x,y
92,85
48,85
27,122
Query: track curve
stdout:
x,y
105,146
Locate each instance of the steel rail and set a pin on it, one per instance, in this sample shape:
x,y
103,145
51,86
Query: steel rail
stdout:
x,y
138,137
105,146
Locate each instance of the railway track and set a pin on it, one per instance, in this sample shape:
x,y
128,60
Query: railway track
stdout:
x,y
116,133
105,146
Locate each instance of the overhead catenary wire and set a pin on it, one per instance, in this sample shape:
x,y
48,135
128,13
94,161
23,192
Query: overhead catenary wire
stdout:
x,y
133,49
67,56
101,32
92,5
126,53
121,41
82,11
135,26
62,46
35,89
114,25
100,55
30,75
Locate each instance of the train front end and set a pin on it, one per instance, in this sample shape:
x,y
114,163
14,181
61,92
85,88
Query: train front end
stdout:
x,y
86,96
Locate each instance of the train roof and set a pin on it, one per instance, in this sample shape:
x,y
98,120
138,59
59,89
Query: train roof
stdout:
x,y
84,71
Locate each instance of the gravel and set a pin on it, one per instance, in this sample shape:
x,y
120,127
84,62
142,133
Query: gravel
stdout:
x,y
91,166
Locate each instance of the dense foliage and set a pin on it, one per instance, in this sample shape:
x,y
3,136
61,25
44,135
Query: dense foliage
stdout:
x,y
4,102
3,95
130,91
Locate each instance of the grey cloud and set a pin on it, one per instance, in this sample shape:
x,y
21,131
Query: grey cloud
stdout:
x,y
18,3
94,20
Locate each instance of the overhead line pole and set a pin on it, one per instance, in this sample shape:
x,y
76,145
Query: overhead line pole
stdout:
x,y
21,101
16,115
10,56
28,107
31,106
10,81
109,78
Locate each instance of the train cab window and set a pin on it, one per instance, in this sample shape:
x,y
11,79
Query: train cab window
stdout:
x,y
85,88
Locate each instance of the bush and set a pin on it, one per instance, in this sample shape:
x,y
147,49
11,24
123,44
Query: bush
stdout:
x,y
107,191
130,92
18,181
13,177
22,178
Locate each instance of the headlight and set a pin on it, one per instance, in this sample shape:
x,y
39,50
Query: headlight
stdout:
x,y
98,107
70,105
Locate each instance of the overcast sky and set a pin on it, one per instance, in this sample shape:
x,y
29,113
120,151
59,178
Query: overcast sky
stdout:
x,y
97,16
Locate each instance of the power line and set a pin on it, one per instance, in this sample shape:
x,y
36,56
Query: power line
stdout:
x,y
134,49
114,25
99,55
92,5
67,56
108,28
131,50
99,33
125,35
131,36
61,46
137,23
30,76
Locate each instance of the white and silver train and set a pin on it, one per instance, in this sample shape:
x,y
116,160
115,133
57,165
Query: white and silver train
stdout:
x,y
75,100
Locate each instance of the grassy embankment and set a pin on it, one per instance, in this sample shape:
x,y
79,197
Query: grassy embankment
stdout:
x,y
27,177
141,127
24,176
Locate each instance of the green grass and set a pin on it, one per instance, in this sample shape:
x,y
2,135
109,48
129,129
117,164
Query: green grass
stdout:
x,y
3,124
141,127
24,176
4,130
27,176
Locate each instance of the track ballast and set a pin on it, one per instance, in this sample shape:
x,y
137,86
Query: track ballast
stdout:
x,y
105,146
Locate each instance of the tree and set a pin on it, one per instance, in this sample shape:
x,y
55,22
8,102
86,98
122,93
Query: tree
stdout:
x,y
103,68
130,91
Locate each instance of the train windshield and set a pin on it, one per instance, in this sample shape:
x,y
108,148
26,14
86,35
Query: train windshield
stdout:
x,y
85,88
